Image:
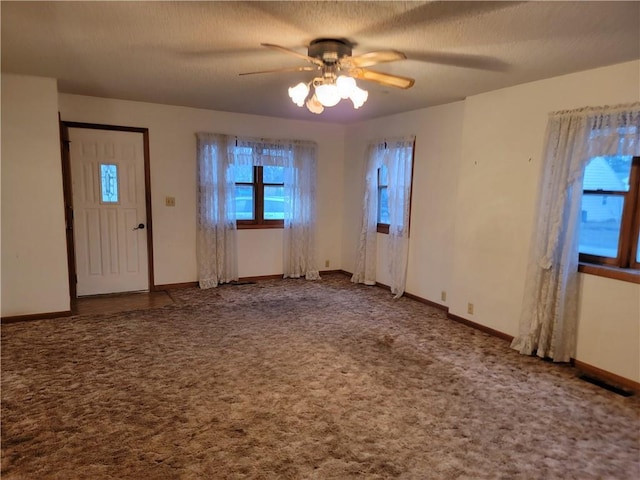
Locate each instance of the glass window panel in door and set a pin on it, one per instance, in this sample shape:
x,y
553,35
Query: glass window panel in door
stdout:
x,y
109,183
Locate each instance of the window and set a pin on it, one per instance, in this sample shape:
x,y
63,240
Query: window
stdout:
x,y
610,214
402,175
108,183
259,196
383,199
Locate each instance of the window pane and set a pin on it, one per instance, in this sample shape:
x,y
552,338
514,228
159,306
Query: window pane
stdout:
x,y
383,205
608,173
273,203
244,202
383,176
243,173
109,183
600,224
638,249
272,174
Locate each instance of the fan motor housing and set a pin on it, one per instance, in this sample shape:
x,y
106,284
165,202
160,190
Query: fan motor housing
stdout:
x,y
329,50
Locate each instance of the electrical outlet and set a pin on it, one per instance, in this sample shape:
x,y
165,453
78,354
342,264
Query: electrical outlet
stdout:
x,y
326,263
170,201
470,308
443,296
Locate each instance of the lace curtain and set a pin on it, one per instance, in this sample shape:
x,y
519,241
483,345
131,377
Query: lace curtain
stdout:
x,y
217,155
216,212
397,155
548,322
300,214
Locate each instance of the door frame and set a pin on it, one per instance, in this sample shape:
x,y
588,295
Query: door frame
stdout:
x,y
68,196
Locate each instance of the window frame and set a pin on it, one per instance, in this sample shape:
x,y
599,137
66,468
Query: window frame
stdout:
x,y
625,266
258,185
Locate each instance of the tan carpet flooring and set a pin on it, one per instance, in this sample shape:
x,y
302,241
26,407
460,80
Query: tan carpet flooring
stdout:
x,y
290,379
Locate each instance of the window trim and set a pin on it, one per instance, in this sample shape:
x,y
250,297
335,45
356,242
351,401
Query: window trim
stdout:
x,y
625,266
258,203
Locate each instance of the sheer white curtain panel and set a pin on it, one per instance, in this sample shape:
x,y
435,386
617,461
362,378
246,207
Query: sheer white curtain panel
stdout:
x,y
399,160
548,321
365,271
216,216
300,213
397,155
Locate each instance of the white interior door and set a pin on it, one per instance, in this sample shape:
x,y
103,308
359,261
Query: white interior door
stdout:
x,y
107,175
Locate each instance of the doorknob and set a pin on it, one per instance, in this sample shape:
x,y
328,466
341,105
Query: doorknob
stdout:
x,y
139,227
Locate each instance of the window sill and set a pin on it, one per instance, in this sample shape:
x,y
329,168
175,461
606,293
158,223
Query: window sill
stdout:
x,y
383,228
256,226
623,274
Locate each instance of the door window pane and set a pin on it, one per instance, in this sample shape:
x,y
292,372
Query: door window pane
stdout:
x,y
244,202
600,224
109,183
273,202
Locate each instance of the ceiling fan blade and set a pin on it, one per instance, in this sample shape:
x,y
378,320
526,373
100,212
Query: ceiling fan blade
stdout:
x,y
382,78
282,70
372,58
316,61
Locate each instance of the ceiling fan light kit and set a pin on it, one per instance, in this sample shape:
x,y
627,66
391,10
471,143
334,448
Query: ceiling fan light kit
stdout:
x,y
328,93
339,69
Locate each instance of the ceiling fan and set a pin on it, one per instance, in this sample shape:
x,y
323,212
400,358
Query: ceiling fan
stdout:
x,y
338,68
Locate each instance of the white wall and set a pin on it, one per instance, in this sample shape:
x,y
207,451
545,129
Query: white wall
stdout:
x,y
475,186
503,136
438,134
34,252
609,333
173,173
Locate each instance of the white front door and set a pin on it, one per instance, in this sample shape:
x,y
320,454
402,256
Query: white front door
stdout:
x,y
108,182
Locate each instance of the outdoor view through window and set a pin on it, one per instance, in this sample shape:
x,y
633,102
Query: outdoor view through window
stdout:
x,y
259,193
609,205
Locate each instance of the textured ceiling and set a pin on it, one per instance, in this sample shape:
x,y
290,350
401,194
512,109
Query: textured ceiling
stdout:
x,y
190,53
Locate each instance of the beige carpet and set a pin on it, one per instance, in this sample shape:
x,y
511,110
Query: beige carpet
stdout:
x,y
289,379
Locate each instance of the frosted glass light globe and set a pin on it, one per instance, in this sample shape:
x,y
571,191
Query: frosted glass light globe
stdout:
x,y
358,97
345,86
327,95
299,93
